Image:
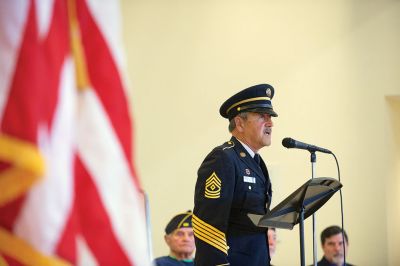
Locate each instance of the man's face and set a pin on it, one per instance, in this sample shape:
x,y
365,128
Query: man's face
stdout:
x,y
333,249
256,130
181,241
271,241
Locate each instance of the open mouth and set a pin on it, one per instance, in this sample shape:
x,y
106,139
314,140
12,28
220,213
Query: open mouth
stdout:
x,y
268,131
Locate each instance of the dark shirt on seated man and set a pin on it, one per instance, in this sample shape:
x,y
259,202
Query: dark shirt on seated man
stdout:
x,y
332,245
171,261
179,237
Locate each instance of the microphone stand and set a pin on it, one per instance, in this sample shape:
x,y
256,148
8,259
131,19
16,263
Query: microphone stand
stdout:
x,y
313,159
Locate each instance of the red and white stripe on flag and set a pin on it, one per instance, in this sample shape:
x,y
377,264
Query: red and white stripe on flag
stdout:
x,y
69,193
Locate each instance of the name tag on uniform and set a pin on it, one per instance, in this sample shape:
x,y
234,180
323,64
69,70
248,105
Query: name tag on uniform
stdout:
x,y
249,179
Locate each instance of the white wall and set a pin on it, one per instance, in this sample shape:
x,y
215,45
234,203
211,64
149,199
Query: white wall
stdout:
x,y
332,64
393,180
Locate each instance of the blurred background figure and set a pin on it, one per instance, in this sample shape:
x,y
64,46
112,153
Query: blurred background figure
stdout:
x,y
271,241
180,240
332,246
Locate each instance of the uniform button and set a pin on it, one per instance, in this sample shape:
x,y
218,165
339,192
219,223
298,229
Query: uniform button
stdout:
x,y
250,187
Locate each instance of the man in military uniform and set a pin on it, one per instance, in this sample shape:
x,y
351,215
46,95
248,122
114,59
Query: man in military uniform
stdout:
x,y
233,181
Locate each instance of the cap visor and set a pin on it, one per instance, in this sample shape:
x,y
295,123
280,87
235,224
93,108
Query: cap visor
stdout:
x,y
269,111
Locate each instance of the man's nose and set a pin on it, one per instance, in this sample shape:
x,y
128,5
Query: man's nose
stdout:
x,y
338,247
186,237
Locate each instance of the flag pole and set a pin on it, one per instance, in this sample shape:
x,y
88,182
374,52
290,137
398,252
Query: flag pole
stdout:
x,y
148,226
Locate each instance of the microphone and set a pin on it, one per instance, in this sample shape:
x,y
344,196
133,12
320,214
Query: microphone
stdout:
x,y
291,143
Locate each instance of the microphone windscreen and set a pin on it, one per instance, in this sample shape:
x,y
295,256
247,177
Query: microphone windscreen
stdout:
x,y
288,142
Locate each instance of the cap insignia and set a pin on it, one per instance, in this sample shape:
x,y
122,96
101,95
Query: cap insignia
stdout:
x,y
268,92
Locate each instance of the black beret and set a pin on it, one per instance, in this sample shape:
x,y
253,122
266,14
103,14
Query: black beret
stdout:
x,y
179,221
253,99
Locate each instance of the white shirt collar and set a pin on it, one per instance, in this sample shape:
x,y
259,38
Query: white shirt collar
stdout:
x,y
250,151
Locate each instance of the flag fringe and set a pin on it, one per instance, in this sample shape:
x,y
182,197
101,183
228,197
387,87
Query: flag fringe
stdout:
x,y
27,166
18,249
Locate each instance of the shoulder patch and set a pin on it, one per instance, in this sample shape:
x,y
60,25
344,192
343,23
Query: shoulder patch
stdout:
x,y
228,145
213,187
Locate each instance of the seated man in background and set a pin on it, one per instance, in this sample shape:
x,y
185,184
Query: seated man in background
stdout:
x,y
271,241
179,237
332,245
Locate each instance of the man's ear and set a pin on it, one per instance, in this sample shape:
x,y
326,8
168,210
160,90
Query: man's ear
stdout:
x,y
166,238
239,123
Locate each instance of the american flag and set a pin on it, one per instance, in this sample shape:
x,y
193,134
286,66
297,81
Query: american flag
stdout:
x,y
69,193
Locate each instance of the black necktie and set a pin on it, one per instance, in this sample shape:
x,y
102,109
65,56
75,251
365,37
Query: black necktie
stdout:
x,y
257,158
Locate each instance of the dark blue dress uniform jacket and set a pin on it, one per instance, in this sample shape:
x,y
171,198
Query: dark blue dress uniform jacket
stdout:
x,y
230,185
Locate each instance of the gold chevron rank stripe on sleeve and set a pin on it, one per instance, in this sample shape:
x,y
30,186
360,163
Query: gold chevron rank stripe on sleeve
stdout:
x,y
209,234
213,187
